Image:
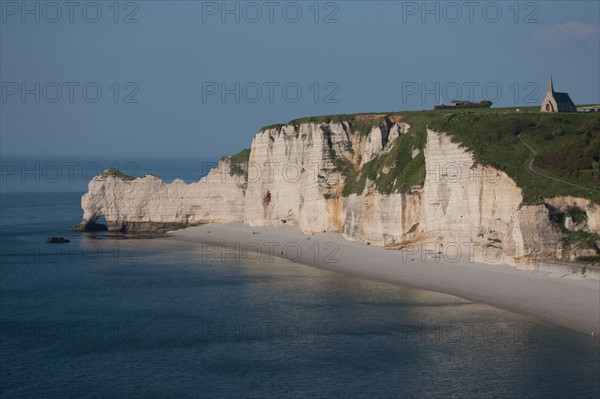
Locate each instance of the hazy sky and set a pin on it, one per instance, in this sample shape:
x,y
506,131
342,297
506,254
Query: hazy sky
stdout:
x,y
169,78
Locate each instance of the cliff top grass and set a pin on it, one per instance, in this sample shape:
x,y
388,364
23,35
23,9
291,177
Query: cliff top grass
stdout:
x,y
340,118
238,163
360,123
565,158
112,172
566,149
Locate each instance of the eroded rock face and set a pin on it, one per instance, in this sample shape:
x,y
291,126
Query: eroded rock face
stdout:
x,y
382,219
592,212
148,204
466,204
293,178
290,172
533,234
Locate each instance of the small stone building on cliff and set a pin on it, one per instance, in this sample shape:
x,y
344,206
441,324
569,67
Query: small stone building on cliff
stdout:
x,y
557,102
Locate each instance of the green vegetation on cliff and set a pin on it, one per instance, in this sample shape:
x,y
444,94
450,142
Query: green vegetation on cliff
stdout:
x,y
112,172
238,163
545,154
360,123
565,149
573,239
397,170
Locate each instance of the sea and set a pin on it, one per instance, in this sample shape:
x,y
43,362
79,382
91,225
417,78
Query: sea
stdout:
x,y
118,316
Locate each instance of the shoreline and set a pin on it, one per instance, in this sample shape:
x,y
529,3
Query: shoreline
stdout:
x,y
572,302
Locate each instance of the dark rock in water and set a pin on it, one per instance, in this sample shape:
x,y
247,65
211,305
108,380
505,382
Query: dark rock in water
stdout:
x,y
56,240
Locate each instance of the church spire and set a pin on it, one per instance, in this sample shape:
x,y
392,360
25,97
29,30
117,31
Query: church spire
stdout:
x,y
551,86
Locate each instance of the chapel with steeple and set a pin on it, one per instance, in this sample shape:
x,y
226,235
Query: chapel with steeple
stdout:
x,y
557,102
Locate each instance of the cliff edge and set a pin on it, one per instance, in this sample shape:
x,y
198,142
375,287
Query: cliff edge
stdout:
x,y
394,180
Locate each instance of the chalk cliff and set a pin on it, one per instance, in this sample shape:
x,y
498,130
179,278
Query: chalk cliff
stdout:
x,y
298,174
148,204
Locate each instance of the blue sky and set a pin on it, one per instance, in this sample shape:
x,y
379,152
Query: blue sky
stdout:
x,y
186,79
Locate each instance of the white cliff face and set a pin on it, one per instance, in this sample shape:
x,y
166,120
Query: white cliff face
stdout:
x,y
290,172
147,203
381,219
374,144
533,234
467,204
293,178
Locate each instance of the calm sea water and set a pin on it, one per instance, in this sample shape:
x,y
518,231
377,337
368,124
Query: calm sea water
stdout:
x,y
116,317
